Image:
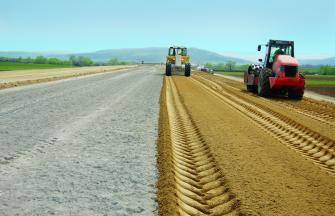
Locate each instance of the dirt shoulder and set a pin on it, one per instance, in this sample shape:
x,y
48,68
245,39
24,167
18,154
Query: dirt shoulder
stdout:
x,y
268,177
25,77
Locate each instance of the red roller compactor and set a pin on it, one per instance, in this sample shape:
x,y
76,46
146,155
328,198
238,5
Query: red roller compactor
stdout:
x,y
278,74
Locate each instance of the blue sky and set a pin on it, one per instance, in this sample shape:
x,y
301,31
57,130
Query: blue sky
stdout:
x,y
228,27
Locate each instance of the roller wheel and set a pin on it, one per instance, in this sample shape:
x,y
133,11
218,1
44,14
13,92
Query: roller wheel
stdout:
x,y
295,94
252,88
168,69
188,70
263,88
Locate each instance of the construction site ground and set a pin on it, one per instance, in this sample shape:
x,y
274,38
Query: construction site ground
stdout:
x,y
223,150
135,142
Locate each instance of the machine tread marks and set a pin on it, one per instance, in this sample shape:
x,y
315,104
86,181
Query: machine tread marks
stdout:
x,y
263,88
312,145
200,187
320,111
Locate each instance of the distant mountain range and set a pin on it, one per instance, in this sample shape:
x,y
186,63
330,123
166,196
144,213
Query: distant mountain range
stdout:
x,y
149,55
154,55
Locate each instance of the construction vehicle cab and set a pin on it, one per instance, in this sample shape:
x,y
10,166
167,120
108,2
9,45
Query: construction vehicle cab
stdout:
x,y
177,60
277,47
278,73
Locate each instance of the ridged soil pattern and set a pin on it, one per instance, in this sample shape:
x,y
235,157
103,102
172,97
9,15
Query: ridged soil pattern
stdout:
x,y
201,188
308,143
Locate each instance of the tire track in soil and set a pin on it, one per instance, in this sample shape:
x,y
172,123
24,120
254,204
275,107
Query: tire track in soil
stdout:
x,y
310,144
320,111
200,187
323,117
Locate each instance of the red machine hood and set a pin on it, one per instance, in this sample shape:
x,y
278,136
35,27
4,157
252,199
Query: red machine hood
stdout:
x,y
286,60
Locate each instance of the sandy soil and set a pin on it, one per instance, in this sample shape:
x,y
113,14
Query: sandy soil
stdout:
x,y
276,155
24,77
166,198
196,183
327,90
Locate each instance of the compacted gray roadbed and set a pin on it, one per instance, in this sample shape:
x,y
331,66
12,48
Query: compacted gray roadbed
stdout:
x,y
82,146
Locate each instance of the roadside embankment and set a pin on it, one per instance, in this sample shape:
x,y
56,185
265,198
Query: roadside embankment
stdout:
x,y
10,79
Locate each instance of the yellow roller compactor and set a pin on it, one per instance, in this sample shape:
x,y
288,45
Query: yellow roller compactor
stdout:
x,y
178,61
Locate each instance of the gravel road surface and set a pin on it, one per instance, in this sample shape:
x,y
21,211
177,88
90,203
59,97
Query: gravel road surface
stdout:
x,y
82,146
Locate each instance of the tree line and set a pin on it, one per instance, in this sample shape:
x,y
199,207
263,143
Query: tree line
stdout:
x,y
78,61
37,60
228,66
232,66
321,70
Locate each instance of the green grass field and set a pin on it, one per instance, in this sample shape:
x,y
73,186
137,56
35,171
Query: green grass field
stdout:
x,y
237,74
317,82
8,66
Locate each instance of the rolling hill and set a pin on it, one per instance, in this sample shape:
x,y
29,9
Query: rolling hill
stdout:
x,y
155,55
151,55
